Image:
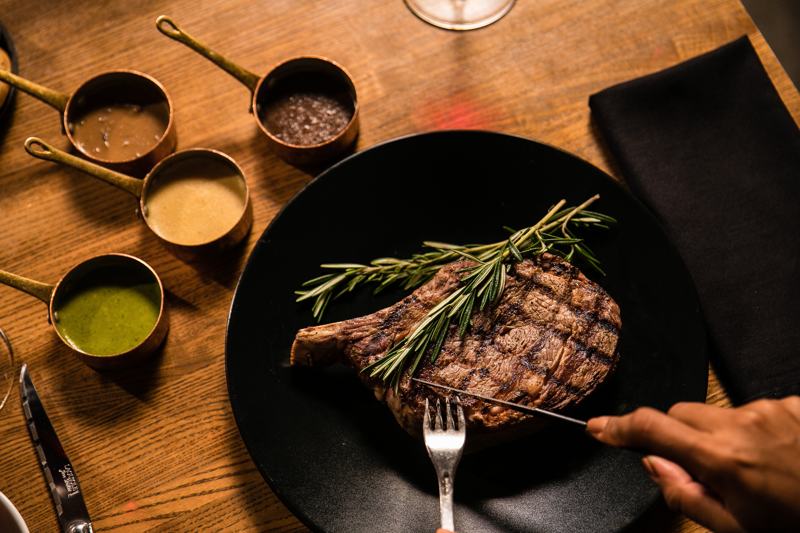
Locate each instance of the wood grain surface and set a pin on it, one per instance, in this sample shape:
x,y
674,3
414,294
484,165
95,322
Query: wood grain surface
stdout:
x,y
156,448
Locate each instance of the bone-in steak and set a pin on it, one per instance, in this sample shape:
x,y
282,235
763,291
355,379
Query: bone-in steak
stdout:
x,y
549,341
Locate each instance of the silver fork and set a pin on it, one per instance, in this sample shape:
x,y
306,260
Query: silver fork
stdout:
x,y
444,448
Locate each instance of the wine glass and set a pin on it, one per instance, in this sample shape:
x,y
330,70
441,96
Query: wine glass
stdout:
x,y
460,14
6,368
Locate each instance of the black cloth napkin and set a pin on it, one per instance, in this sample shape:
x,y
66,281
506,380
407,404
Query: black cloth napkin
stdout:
x,y
710,147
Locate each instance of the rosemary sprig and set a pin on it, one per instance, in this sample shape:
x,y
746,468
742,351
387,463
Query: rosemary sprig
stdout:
x,y
553,233
483,284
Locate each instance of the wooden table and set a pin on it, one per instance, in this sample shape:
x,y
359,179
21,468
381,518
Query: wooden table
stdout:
x,y
157,447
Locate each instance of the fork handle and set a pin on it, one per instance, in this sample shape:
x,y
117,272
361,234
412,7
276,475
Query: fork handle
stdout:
x,y
446,500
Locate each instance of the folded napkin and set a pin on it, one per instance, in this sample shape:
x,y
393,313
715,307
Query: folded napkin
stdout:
x,y
710,147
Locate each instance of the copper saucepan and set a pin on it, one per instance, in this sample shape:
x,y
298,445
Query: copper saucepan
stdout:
x,y
89,287
299,76
196,201
121,119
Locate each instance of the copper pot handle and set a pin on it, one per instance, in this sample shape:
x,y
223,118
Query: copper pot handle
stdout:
x,y
37,289
41,150
168,27
53,98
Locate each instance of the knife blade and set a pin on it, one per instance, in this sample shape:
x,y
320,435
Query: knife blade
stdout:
x,y
58,471
516,406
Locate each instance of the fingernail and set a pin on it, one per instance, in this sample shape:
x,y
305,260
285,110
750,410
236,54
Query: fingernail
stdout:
x,y
597,425
651,469
666,470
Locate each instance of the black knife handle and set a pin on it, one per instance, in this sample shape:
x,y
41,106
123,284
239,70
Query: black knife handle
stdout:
x,y
58,471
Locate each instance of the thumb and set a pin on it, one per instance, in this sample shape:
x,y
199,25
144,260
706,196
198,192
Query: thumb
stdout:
x,y
685,495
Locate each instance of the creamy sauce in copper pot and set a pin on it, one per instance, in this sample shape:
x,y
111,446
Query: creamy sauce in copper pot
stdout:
x,y
119,132
195,201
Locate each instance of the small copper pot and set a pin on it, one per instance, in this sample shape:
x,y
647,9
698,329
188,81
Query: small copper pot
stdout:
x,y
118,87
54,296
319,72
142,190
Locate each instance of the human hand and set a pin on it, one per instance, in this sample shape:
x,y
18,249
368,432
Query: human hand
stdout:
x,y
730,470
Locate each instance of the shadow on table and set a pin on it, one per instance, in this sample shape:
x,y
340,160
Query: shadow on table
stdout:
x,y
223,267
140,383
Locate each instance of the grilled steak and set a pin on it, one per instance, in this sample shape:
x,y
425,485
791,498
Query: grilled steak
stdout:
x,y
549,341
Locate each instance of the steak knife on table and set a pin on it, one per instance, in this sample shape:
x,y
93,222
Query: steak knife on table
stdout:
x,y
58,472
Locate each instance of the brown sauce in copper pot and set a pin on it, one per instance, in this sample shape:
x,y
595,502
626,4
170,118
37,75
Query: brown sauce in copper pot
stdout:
x,y
120,131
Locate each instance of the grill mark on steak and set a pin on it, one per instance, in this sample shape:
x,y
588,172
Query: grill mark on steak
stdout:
x,y
589,315
588,352
397,311
376,342
548,342
544,372
595,317
465,381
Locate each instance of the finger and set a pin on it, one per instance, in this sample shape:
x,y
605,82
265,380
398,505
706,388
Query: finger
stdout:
x,y
792,403
787,408
655,432
700,416
689,497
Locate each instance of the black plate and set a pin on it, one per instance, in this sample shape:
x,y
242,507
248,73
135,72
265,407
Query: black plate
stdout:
x,y
5,107
335,456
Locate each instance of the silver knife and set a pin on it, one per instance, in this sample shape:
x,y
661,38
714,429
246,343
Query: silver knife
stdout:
x,y
61,478
516,406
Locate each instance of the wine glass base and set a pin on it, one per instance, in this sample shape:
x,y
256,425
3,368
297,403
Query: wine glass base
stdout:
x,y
460,15
7,368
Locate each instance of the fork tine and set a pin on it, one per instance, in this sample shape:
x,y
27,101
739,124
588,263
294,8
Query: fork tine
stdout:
x,y
438,425
451,420
460,412
426,421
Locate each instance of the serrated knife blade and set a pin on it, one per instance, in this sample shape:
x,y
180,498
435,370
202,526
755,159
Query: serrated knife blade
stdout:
x,y
58,471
